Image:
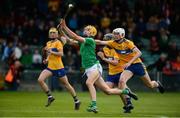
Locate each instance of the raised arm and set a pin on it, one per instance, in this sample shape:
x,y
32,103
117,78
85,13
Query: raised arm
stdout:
x,y
71,33
68,39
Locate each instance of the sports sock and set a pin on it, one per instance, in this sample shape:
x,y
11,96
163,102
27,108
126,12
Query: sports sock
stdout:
x,y
75,98
125,91
93,103
128,99
48,93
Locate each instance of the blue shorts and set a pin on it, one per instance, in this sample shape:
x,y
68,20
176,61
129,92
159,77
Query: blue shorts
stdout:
x,y
113,78
58,73
137,69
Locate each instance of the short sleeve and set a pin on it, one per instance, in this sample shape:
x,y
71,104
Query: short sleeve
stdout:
x,y
110,43
89,41
130,45
59,46
47,45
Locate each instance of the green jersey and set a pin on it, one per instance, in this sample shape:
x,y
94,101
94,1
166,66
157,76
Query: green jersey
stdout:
x,y
87,51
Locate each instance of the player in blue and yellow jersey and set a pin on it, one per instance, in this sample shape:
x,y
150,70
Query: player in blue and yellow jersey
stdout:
x,y
92,67
129,55
55,67
115,69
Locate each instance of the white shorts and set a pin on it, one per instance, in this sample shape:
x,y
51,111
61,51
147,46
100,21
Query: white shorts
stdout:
x,y
93,68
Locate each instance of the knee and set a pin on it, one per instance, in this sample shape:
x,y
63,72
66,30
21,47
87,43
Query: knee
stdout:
x,y
122,81
150,85
107,92
40,80
88,83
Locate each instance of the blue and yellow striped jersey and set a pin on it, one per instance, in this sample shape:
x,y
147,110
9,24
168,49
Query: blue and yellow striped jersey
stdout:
x,y
54,61
124,50
111,54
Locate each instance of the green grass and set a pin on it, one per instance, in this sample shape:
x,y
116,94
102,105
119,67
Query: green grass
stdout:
x,y
31,104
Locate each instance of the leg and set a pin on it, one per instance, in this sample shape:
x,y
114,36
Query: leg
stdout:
x,y
92,77
125,76
152,84
110,84
43,76
123,98
147,81
104,87
111,81
67,85
100,83
128,106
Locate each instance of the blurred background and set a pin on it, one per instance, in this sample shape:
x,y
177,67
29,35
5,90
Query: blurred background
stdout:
x,y
153,25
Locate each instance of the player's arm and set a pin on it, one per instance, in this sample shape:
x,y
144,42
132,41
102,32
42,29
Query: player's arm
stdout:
x,y
138,54
68,39
107,60
57,53
106,39
71,33
72,42
44,55
99,42
113,62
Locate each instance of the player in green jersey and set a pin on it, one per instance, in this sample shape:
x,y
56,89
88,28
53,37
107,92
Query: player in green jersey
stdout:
x,y
92,67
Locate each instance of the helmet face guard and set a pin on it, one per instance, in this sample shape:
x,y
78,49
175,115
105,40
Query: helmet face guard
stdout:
x,y
119,33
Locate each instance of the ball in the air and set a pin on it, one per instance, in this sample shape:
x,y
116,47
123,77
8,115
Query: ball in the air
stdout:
x,y
70,5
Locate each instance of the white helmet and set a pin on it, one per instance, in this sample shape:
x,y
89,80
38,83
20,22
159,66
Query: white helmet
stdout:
x,y
119,31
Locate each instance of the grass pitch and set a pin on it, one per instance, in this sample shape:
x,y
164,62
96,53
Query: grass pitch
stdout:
x,y
32,104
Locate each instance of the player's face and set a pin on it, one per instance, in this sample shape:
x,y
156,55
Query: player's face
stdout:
x,y
53,35
86,32
117,36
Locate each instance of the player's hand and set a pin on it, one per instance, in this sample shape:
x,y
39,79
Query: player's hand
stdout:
x,y
46,49
126,65
101,55
49,51
45,61
64,39
62,23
